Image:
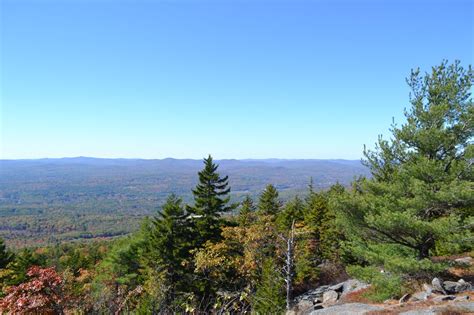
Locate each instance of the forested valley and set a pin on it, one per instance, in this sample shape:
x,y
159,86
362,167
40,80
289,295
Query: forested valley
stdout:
x,y
393,229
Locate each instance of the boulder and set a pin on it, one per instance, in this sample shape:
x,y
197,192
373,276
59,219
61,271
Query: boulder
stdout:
x,y
352,285
464,261
450,286
330,297
419,296
457,287
463,286
438,285
303,307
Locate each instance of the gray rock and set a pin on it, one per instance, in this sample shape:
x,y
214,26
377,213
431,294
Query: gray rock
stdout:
x,y
353,285
348,309
459,307
330,297
312,295
337,287
303,307
419,296
464,261
450,286
452,308
404,298
463,286
438,285
457,287
428,289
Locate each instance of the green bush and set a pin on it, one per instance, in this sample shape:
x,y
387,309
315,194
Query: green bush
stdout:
x,y
384,286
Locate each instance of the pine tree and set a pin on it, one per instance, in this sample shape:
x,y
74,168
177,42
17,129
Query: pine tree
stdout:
x,y
247,211
169,244
419,201
210,201
269,204
292,212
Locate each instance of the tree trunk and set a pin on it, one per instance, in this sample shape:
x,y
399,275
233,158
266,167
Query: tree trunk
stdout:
x,y
289,266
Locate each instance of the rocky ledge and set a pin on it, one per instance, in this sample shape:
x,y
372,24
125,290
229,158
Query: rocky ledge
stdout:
x,y
439,297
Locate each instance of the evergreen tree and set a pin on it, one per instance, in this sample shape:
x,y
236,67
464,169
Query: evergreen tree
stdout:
x,y
293,211
419,201
247,210
168,246
269,204
269,297
5,255
210,201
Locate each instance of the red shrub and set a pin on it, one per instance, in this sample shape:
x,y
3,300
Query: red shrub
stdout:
x,y
41,294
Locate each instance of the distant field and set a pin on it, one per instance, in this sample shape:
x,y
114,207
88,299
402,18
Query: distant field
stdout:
x,y
53,200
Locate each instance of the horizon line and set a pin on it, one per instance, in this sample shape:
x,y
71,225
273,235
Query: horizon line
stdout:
x,y
172,158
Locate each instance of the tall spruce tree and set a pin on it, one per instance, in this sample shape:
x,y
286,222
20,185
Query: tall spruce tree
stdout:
x,y
211,199
419,201
269,203
169,245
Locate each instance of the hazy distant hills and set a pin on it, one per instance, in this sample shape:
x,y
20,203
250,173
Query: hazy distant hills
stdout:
x,y
55,199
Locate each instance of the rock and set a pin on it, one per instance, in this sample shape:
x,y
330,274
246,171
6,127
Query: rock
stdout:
x,y
456,308
450,286
442,298
303,307
463,286
438,285
419,296
464,261
457,287
314,296
428,289
404,298
353,285
337,287
348,309
330,297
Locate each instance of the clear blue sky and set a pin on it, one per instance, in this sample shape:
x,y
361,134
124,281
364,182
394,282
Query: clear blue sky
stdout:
x,y
237,79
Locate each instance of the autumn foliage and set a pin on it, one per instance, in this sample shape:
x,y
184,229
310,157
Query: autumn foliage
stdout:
x,y
41,294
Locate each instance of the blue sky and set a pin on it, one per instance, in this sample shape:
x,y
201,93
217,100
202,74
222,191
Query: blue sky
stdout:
x,y
237,79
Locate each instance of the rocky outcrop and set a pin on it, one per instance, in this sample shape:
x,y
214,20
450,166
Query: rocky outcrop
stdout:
x,y
440,296
325,296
